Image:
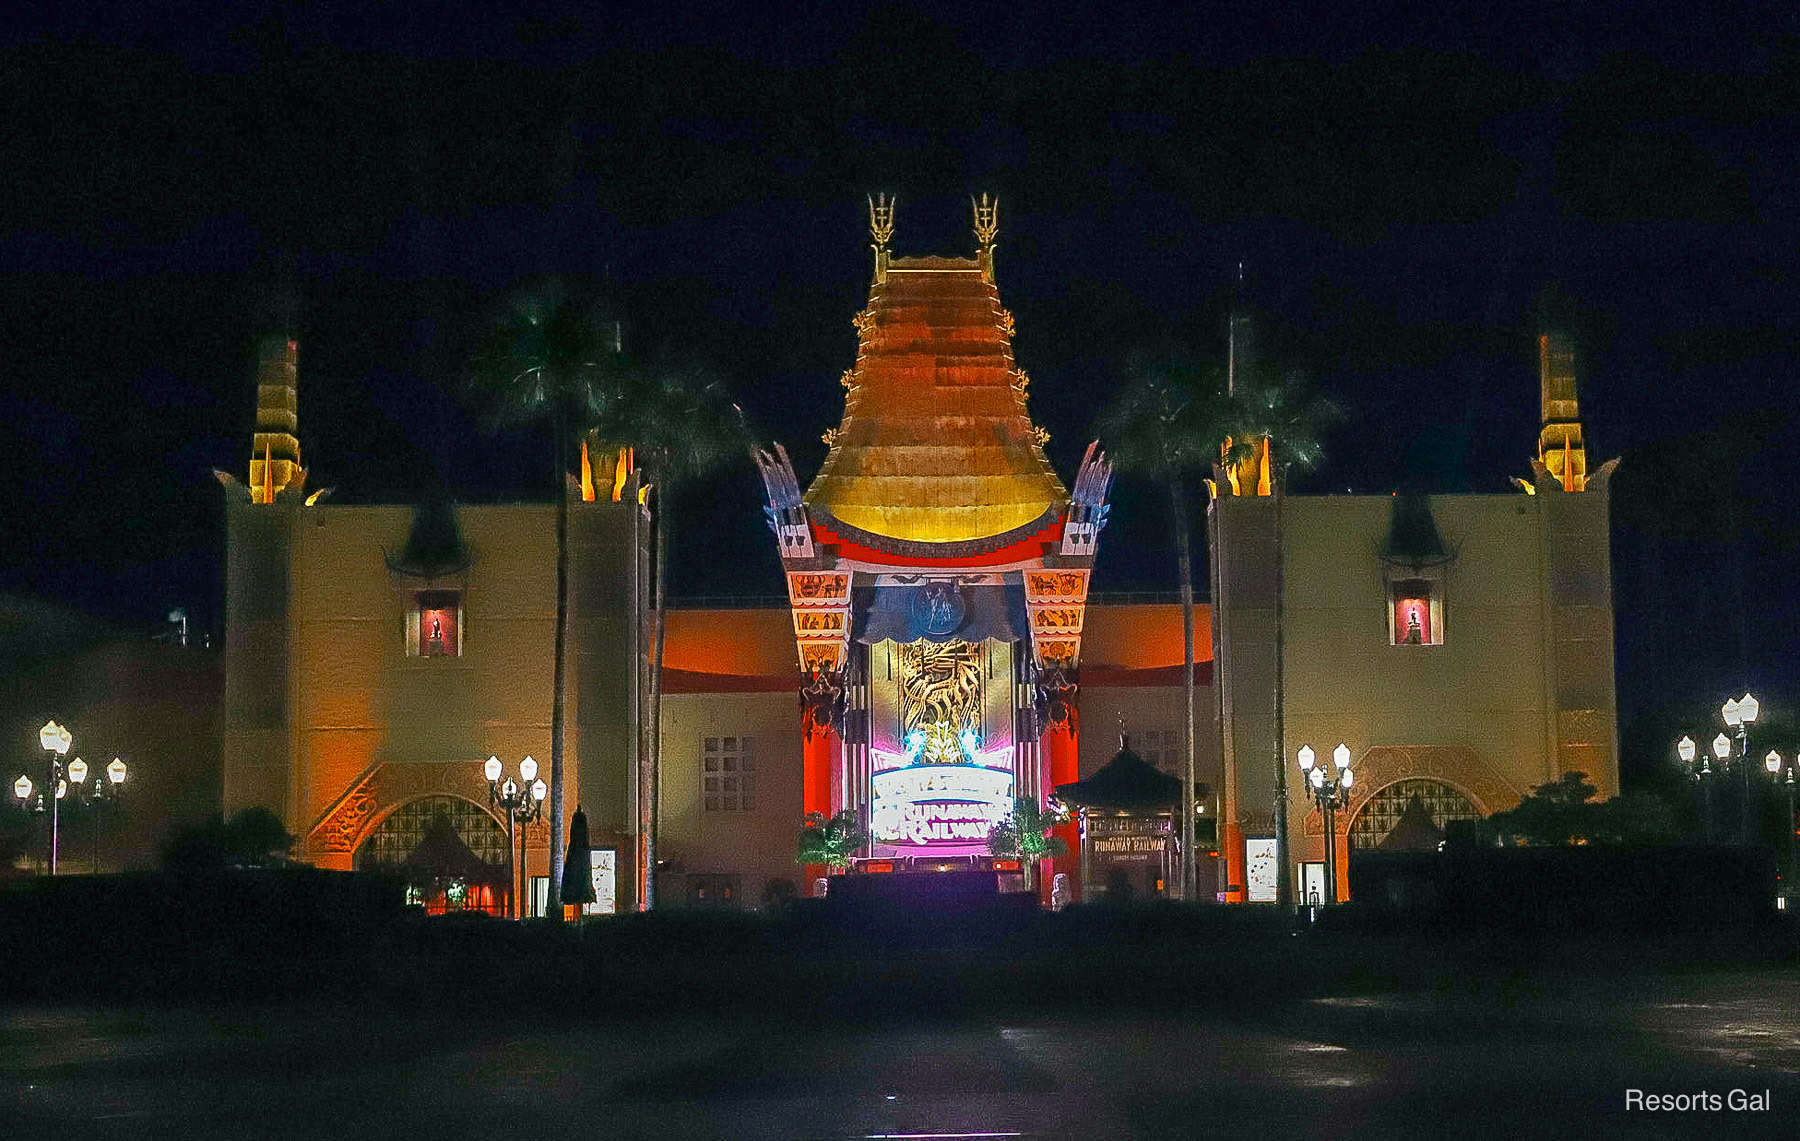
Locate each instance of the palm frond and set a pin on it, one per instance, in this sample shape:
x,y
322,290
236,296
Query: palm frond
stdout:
x,y
1287,411
1169,420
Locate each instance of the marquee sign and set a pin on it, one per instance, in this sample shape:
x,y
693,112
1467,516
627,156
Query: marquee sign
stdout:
x,y
940,804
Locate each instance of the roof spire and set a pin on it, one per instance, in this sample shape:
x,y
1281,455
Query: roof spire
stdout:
x,y
881,231
987,226
1560,446
275,448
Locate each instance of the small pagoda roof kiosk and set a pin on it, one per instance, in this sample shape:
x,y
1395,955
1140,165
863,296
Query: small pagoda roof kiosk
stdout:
x,y
1126,812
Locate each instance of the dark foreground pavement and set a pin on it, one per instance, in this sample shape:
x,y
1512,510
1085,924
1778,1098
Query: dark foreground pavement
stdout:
x,y
1475,1059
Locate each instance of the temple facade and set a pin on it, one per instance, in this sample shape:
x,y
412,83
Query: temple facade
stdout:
x,y
938,571
939,655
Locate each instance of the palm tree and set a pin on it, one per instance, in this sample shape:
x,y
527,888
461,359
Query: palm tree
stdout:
x,y
1171,423
1283,413
831,841
1025,836
545,357
680,426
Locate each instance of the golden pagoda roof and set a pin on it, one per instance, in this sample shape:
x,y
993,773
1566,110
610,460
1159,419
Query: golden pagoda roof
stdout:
x,y
936,445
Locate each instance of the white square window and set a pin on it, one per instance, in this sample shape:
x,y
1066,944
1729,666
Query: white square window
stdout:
x,y
735,756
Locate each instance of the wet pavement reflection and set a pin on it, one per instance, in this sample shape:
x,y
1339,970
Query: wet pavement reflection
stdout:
x,y
1485,1059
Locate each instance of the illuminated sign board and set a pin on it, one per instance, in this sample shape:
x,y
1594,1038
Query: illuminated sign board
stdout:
x,y
1259,869
603,867
940,804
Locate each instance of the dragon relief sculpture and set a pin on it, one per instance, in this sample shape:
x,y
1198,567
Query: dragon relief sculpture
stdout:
x,y
940,693
823,701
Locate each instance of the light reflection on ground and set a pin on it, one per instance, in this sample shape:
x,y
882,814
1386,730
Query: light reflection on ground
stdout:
x,y
1550,1059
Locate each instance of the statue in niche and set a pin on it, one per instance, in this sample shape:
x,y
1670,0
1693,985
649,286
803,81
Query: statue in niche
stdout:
x,y
1414,635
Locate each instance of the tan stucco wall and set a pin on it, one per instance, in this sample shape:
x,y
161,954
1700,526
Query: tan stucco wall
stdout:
x,y
1483,699
757,845
1483,687
361,699
322,693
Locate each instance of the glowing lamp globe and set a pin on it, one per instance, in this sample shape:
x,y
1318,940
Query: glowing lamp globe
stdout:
x,y
492,769
54,738
1748,708
62,789
116,771
1733,718
1340,757
1721,746
1349,778
528,769
509,789
1317,776
1772,762
22,788
539,790
1684,749
1307,757
78,771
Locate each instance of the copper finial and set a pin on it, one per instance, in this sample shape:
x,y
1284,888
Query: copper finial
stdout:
x,y
987,218
881,219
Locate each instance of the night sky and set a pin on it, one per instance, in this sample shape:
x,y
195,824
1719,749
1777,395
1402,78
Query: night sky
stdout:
x,y
1410,189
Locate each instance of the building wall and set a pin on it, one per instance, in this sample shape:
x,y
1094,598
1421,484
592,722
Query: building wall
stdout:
x,y
1519,692
1482,688
756,845
330,722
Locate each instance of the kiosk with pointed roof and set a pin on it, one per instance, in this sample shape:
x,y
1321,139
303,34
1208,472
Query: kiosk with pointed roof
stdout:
x,y
937,568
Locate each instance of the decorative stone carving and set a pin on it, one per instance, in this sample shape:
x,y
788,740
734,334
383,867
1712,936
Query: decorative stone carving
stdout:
x,y
384,787
1054,692
940,684
1457,766
823,702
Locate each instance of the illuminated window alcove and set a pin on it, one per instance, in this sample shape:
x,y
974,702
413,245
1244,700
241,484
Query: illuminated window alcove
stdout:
x,y
1384,810
434,624
451,853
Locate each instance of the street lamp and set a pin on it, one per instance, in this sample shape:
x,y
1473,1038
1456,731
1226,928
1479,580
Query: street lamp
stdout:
x,y
1686,750
1773,762
522,805
95,796
1740,714
1330,792
55,740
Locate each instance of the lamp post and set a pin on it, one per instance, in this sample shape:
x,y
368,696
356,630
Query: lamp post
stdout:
x,y
1773,763
95,796
1329,792
55,740
1721,750
1685,749
1740,714
522,804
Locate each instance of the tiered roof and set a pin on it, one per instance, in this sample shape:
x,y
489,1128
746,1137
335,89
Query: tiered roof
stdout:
x,y
936,445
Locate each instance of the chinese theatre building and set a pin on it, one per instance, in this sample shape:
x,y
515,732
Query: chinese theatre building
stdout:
x,y
942,634
938,571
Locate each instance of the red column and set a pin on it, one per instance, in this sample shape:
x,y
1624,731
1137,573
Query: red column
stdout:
x,y
1342,843
1061,745
1231,850
817,753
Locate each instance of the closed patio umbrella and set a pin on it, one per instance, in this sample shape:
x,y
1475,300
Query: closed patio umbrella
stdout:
x,y
578,874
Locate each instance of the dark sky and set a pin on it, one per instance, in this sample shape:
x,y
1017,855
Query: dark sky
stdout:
x,y
1409,187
